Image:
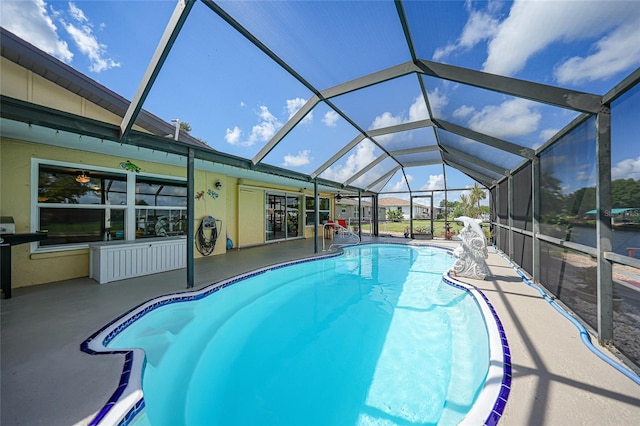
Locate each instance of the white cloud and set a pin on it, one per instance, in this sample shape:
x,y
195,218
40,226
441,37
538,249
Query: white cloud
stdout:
x,y
625,169
77,13
233,136
437,101
434,182
514,117
82,34
463,111
614,53
34,22
300,159
31,21
385,120
586,173
293,105
267,126
242,104
401,185
356,161
88,44
330,118
547,134
418,110
534,25
480,26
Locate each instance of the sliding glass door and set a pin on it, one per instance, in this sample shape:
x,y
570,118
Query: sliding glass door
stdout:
x,y
282,217
276,210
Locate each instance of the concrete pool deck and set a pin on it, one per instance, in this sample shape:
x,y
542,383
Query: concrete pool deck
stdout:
x,y
47,380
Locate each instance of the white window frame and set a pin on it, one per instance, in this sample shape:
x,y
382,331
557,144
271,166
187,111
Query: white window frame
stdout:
x,y
300,210
328,211
129,207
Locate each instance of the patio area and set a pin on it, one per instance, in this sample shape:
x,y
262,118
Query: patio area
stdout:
x,y
47,380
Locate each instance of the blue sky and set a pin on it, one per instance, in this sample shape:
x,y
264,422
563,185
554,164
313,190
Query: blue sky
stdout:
x,y
236,99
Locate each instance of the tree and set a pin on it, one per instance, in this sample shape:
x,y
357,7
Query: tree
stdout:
x,y
465,208
395,215
449,207
185,127
625,193
451,204
580,202
477,194
470,203
551,197
60,188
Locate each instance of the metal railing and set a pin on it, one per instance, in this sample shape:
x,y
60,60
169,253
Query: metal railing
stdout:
x,y
341,230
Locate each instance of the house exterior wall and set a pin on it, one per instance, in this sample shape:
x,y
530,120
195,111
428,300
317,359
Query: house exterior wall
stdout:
x,y
251,215
417,211
14,80
231,192
20,83
243,220
350,212
29,268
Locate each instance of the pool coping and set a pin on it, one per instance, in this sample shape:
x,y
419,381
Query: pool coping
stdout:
x,y
497,385
127,401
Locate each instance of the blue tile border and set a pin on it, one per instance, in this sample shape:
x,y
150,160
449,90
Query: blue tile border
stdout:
x,y
505,386
97,343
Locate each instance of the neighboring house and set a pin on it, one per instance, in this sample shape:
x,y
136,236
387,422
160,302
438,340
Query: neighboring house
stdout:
x,y
391,203
618,216
347,208
63,169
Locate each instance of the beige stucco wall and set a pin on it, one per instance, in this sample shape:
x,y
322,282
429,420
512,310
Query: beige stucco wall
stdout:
x,y
242,217
20,83
15,200
243,221
209,206
14,80
251,218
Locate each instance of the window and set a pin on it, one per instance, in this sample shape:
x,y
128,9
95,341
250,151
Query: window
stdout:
x,y
323,210
75,206
168,216
80,205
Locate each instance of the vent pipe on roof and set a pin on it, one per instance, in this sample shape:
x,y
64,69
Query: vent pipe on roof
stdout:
x,y
177,121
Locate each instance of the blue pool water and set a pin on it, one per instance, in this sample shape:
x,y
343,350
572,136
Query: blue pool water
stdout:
x,y
371,337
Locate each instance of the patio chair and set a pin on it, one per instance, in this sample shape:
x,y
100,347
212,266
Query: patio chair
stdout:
x,y
329,230
342,229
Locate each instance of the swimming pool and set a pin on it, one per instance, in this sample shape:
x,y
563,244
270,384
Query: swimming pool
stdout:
x,y
374,335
